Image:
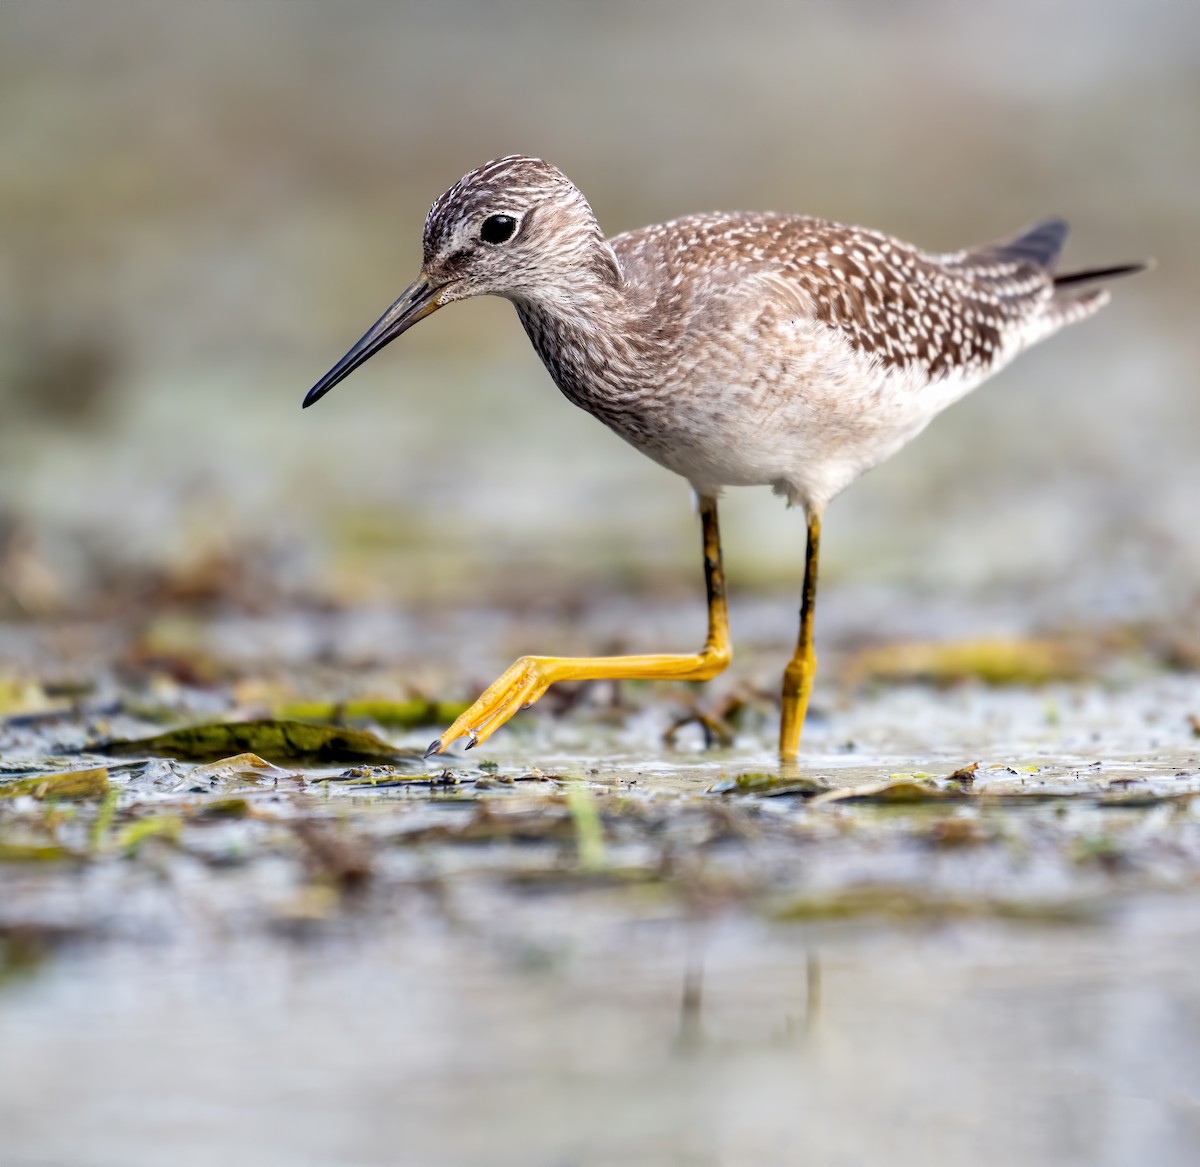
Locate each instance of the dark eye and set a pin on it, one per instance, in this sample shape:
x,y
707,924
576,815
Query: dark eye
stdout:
x,y
497,228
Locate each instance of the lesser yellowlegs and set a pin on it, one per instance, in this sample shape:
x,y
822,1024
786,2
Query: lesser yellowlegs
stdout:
x,y
737,349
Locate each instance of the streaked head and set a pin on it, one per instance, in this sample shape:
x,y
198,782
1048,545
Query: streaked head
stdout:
x,y
516,227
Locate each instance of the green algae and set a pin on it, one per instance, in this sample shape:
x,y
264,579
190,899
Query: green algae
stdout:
x,y
33,853
129,840
589,832
411,714
904,903
276,740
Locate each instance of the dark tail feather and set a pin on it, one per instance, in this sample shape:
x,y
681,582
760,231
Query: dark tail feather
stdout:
x,y
1097,274
1040,244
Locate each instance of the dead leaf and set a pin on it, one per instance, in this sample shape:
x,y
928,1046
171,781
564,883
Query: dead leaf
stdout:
x,y
771,785
243,767
717,733
965,775
894,790
73,786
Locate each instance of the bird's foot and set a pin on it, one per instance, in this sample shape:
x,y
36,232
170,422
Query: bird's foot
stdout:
x,y
797,688
519,686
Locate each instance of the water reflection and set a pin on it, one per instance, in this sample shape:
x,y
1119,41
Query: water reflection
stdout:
x,y
947,1044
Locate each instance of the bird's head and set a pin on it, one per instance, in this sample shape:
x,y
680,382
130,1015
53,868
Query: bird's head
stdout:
x,y
516,227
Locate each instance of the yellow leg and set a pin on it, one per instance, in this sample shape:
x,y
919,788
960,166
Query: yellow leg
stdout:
x,y
527,679
798,676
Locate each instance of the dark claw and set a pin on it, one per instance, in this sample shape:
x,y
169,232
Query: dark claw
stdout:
x,y
473,742
435,747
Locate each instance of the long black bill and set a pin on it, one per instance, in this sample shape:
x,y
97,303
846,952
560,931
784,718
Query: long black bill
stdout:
x,y
417,301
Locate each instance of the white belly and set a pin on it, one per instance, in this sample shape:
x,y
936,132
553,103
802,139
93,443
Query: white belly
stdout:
x,y
808,436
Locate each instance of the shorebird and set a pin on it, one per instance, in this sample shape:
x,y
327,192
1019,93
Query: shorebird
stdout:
x,y
736,349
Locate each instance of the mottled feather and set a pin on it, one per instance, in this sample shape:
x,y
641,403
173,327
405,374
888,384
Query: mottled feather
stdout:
x,y
749,348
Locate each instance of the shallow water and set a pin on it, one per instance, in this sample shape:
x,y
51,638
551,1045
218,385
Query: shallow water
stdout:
x,y
557,1033
454,970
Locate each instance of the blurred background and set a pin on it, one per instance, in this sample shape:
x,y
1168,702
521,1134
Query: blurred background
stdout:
x,y
201,206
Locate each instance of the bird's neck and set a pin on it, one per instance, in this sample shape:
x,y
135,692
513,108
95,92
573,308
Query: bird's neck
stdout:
x,y
594,338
